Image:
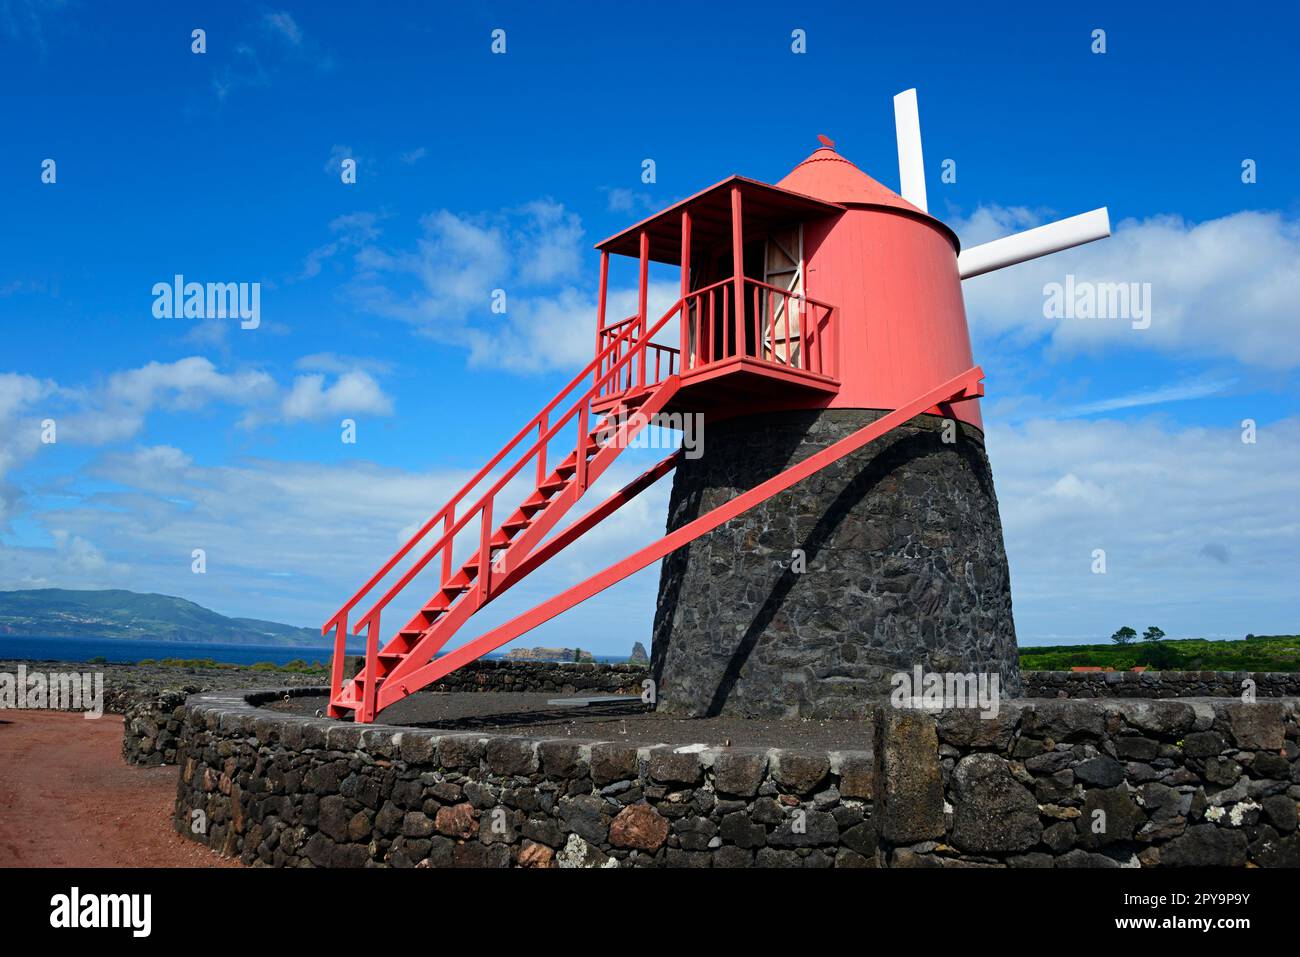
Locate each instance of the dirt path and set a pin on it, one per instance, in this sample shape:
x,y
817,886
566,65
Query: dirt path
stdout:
x,y
68,799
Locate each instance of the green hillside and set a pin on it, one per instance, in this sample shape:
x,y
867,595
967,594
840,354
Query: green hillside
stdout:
x,y
1255,653
114,613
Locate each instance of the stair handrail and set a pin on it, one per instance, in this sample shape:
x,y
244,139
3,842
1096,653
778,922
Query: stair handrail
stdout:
x,y
544,440
341,615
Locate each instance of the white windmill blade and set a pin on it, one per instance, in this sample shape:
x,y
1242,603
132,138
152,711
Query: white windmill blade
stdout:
x,y
1032,243
911,165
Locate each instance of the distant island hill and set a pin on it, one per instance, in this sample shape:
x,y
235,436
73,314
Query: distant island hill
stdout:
x,y
120,614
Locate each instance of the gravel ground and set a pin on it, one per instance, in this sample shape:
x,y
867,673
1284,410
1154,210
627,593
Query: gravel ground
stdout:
x,y
67,800
633,722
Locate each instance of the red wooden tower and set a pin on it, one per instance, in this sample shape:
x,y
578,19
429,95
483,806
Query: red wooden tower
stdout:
x,y
816,316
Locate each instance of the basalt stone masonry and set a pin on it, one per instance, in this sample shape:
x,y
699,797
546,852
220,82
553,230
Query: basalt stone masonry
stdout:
x,y
1091,783
288,791
905,565
1044,783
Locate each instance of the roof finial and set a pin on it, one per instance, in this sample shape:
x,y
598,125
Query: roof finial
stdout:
x,y
826,141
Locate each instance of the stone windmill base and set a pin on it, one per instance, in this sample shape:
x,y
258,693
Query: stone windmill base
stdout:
x,y
809,604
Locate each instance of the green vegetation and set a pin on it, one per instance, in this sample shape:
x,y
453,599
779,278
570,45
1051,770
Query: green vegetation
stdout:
x,y
1124,635
1254,653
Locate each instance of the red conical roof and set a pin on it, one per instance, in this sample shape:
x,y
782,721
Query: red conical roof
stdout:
x,y
828,175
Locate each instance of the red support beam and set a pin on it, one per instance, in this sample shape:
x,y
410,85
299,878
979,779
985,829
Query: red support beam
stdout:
x,y
964,386
738,265
600,308
448,521
336,668
370,694
642,288
485,553
684,319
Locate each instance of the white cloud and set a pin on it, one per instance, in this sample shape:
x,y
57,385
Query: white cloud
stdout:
x,y
1200,530
19,429
444,287
355,393
17,391
1226,287
117,410
337,364
244,70
619,199
189,383
549,249
1199,388
284,25
353,230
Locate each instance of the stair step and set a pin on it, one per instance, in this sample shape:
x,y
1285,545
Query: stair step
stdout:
x,y
553,484
459,582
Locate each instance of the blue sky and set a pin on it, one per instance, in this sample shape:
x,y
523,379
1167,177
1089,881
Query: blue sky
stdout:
x,y
477,171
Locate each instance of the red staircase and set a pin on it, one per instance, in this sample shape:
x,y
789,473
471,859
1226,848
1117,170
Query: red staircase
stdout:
x,y
631,372
498,560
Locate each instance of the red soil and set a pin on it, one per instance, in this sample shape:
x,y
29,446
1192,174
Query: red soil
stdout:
x,y
67,799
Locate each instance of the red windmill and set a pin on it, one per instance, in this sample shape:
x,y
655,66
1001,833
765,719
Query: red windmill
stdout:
x,y
826,304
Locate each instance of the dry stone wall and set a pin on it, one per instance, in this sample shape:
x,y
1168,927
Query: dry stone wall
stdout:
x,y
282,790
1044,783
152,714
1091,783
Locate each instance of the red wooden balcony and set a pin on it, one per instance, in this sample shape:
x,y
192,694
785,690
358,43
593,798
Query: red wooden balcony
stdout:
x,y
779,340
745,328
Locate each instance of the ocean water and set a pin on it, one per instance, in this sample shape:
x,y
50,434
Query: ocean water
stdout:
x,y
129,651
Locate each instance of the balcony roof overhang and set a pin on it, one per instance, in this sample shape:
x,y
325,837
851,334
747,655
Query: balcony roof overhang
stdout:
x,y
763,207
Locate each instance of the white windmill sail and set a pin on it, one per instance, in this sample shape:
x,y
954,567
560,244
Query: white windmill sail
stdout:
x,y
1018,248
1032,243
911,163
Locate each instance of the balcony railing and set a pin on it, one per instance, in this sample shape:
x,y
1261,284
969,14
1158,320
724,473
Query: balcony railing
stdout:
x,y
658,363
776,327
